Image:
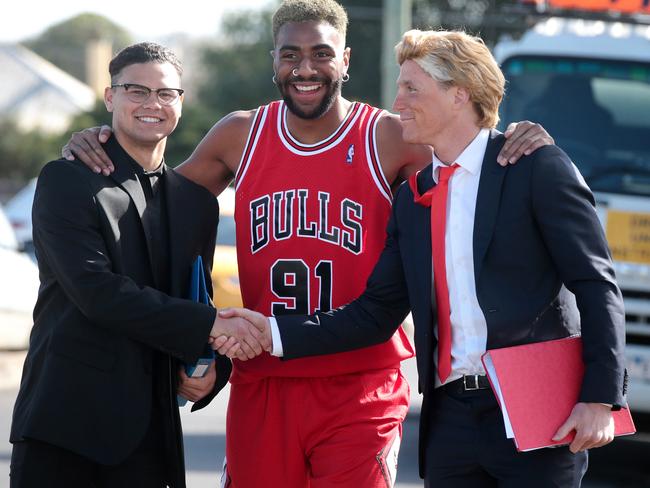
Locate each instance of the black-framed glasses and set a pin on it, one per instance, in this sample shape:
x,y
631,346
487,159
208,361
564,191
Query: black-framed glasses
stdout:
x,y
139,93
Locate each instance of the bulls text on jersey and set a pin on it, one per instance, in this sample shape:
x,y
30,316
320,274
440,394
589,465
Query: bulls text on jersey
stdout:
x,y
284,214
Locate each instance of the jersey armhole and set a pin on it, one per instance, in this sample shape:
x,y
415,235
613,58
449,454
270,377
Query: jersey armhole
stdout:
x,y
251,143
372,156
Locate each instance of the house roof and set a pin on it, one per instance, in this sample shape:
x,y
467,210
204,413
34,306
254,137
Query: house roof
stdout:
x,y
25,76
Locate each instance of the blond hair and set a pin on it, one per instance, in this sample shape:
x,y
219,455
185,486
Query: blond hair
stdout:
x,y
455,58
310,10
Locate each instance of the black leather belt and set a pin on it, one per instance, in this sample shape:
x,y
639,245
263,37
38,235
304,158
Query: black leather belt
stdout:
x,y
470,382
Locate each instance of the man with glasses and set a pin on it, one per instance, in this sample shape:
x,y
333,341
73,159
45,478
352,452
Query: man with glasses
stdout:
x,y
139,93
97,402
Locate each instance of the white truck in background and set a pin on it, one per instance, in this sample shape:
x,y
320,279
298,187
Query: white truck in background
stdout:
x,y
588,83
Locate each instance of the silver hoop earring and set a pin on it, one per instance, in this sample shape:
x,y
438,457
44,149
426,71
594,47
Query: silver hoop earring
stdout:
x,y
274,80
345,78
294,72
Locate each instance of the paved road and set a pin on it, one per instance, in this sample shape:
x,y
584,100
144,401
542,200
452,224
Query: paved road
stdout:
x,y
622,465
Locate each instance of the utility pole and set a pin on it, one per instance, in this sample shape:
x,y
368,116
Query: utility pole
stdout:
x,y
396,20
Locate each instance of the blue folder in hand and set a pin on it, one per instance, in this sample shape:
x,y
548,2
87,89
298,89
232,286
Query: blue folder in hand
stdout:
x,y
199,293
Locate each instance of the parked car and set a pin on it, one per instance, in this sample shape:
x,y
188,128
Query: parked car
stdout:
x,y
19,213
19,284
225,274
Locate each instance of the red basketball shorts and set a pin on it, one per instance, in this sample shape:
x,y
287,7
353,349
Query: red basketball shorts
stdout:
x,y
341,431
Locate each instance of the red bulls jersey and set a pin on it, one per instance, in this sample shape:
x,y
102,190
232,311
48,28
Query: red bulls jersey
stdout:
x,y
311,223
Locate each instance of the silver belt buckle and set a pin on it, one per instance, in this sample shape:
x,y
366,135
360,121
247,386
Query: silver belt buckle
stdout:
x,y
474,380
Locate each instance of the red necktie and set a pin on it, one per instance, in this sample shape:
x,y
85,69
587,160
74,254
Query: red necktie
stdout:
x,y
436,198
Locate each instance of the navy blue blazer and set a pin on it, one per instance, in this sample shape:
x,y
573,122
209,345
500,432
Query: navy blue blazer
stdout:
x,y
542,268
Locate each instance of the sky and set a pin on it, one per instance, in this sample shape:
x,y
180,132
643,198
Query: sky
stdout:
x,y
145,20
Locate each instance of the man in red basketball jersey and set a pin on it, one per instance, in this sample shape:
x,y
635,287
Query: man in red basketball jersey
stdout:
x,y
313,176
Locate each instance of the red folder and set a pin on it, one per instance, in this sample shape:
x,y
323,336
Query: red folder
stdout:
x,y
537,386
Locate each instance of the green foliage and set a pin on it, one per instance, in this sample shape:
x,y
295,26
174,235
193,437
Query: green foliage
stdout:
x,y
23,154
97,116
194,124
364,41
64,44
237,72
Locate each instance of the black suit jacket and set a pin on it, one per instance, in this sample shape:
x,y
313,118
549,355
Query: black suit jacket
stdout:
x,y
542,270
100,324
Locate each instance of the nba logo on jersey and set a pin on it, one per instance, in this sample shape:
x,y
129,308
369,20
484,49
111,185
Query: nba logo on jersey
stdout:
x,y
348,158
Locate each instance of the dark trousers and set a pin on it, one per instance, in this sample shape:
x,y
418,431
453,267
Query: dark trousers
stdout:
x,y
467,447
36,464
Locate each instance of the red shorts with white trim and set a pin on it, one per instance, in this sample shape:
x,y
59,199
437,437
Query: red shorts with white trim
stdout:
x,y
341,431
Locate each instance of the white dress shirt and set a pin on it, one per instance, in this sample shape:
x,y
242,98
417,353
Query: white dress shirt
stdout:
x,y
276,338
468,325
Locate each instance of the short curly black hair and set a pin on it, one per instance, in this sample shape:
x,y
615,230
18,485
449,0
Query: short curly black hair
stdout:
x,y
310,10
143,52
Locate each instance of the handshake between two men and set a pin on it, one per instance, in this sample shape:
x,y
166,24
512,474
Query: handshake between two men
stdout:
x,y
241,333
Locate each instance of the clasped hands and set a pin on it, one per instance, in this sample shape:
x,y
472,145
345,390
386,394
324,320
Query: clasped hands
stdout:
x,y
241,333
